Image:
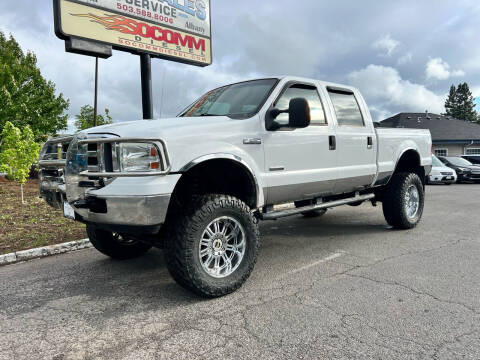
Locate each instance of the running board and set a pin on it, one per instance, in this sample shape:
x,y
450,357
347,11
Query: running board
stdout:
x,y
273,215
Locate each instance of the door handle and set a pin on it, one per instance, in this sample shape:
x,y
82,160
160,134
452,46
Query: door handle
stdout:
x,y
369,142
332,142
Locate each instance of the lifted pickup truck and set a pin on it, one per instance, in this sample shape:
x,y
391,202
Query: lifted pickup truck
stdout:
x,y
196,185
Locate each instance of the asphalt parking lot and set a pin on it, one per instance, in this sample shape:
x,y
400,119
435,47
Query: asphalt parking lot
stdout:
x,y
342,286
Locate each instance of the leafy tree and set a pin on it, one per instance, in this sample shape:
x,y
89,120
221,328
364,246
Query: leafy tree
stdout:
x,y
26,98
18,151
459,103
85,119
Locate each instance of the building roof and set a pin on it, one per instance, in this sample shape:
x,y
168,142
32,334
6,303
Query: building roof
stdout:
x,y
442,128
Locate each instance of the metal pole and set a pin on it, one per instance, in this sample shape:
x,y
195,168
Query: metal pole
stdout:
x,y
146,75
96,94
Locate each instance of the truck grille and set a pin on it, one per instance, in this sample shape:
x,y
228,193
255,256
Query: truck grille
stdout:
x,y
103,157
52,170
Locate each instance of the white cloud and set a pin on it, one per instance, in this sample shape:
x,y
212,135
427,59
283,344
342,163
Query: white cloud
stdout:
x,y
440,70
386,44
388,93
405,59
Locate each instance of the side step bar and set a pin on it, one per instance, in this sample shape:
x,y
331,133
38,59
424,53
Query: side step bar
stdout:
x,y
273,215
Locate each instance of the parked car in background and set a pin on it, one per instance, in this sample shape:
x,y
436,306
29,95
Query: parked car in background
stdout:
x,y
474,159
440,173
466,171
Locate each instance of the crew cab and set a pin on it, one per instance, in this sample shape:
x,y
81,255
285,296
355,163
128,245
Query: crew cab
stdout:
x,y
197,185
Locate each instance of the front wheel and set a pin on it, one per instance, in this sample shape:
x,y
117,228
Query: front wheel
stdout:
x,y
117,246
403,201
213,246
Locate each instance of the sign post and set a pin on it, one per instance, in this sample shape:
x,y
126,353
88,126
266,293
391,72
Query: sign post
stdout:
x,y
175,30
95,100
146,75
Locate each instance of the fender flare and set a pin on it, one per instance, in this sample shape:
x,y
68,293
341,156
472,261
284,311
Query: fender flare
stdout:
x,y
231,157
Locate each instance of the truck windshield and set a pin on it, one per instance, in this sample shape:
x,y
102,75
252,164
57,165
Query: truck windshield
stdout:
x,y
238,101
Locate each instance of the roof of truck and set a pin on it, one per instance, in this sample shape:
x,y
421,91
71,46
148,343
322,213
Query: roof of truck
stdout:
x,y
324,83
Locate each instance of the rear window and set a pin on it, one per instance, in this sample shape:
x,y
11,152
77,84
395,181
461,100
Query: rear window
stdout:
x,y
346,108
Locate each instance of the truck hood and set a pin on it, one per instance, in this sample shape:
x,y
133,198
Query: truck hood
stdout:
x,y
188,138
161,127
439,169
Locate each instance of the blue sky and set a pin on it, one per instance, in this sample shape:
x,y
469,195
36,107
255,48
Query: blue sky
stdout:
x,y
402,55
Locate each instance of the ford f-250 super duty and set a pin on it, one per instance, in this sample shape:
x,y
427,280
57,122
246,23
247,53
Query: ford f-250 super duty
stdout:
x,y
197,184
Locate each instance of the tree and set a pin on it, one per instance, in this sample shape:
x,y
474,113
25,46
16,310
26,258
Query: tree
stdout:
x,y
26,98
451,104
465,103
85,119
459,103
18,151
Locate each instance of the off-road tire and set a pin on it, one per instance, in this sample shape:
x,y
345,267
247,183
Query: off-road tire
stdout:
x,y
181,247
394,203
105,242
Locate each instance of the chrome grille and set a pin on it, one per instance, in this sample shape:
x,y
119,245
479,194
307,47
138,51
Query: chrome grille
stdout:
x,y
54,152
103,157
52,170
447,173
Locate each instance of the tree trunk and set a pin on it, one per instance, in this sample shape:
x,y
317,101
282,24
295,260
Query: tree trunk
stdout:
x,y
21,191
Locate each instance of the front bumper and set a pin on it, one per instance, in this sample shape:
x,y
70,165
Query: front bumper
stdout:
x,y
442,179
137,202
469,176
144,211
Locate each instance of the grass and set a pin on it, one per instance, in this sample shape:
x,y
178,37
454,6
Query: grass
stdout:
x,y
34,223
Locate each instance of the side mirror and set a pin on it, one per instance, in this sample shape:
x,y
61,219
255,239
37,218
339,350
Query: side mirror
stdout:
x,y
299,115
299,111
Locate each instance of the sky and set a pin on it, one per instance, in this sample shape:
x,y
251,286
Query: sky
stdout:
x,y
402,55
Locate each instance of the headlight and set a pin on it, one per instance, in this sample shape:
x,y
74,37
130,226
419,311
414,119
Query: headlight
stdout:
x,y
138,157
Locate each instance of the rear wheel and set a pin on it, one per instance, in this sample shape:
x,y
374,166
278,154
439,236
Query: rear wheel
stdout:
x,y
115,245
403,201
214,245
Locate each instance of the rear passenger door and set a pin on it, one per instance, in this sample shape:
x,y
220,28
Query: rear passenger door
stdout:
x,y
355,140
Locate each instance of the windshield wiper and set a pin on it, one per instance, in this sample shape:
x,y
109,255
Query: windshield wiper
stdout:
x,y
206,114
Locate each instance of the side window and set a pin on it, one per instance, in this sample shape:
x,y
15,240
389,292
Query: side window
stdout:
x,y
346,108
307,92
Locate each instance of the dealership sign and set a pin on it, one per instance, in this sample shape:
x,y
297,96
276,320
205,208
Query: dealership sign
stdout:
x,y
177,30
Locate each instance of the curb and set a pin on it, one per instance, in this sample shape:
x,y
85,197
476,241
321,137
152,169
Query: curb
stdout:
x,y
41,252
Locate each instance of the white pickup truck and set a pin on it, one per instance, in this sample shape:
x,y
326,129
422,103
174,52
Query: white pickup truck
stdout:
x,y
197,184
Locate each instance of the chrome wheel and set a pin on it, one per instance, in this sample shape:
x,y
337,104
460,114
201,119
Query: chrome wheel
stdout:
x,y
222,247
412,201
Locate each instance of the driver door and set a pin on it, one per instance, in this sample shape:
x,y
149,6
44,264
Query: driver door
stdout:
x,y
300,163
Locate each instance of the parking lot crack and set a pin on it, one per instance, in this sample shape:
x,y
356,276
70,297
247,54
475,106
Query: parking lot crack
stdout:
x,y
417,292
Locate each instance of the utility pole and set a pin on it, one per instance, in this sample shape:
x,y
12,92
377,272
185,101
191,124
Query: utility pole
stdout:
x,y
96,94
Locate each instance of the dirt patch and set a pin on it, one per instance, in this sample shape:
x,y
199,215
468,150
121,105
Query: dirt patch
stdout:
x,y
34,223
